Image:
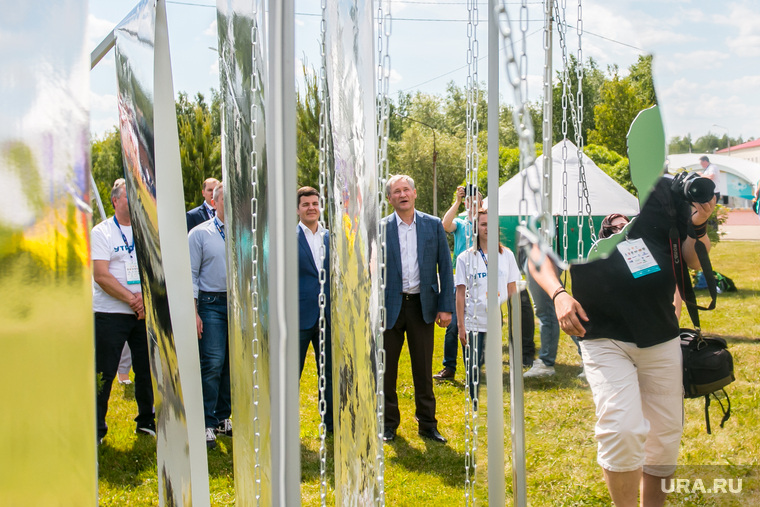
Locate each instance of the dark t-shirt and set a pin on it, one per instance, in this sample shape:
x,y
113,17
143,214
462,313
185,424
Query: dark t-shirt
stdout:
x,y
635,310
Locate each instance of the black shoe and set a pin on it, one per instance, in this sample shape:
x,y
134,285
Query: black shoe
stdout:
x,y
445,374
432,434
146,429
389,434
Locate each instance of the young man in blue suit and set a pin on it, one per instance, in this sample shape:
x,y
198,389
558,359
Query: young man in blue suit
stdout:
x,y
206,210
419,292
310,238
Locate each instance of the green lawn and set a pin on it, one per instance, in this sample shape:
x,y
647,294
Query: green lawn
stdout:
x,y
561,451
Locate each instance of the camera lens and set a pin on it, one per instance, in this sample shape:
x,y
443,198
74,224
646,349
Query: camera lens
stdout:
x,y
699,190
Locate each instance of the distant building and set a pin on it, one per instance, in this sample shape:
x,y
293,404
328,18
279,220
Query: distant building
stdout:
x,y
747,151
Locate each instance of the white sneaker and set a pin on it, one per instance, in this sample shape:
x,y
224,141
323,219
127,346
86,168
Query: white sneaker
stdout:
x,y
539,369
210,438
224,428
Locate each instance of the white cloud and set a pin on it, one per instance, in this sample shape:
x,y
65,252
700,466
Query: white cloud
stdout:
x,y
213,69
211,31
104,102
711,59
394,77
742,22
97,29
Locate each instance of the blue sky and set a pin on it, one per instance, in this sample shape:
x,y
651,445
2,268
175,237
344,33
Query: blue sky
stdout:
x,y
707,53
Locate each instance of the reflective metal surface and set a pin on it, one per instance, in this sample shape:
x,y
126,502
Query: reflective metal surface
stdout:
x,y
150,142
243,164
48,452
353,187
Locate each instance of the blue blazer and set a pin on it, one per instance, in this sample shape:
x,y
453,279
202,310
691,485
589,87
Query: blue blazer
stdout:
x,y
308,283
196,216
434,259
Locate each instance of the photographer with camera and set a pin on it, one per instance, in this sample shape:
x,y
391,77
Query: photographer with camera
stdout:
x,y
622,311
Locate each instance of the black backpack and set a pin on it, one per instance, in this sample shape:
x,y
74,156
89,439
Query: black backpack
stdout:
x,y
707,368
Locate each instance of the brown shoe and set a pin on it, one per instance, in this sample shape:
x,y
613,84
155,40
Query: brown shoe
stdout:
x,y
445,374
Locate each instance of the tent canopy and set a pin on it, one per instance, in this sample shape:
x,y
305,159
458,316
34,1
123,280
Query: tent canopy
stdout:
x,y
605,194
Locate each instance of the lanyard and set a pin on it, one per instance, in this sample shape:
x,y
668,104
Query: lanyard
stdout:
x,y
483,256
123,237
221,232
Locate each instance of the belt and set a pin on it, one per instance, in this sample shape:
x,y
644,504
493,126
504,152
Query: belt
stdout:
x,y
409,297
215,294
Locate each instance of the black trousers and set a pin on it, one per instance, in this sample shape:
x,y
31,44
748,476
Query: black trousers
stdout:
x,y
112,330
420,338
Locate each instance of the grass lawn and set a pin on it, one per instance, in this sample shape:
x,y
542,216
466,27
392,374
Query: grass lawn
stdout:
x,y
559,422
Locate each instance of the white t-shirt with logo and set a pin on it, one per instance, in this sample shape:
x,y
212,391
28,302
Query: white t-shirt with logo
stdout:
x,y
476,305
108,245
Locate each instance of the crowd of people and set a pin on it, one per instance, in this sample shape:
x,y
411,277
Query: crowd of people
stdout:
x,y
621,314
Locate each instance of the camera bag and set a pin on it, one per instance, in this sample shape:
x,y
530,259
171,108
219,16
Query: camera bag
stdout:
x,y
707,364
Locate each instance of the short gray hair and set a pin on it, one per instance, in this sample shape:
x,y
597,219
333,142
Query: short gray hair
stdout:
x,y
394,179
217,189
119,187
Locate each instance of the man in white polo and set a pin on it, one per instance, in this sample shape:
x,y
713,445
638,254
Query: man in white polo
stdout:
x,y
119,311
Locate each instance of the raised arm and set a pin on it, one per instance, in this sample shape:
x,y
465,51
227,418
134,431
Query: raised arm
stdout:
x,y
451,214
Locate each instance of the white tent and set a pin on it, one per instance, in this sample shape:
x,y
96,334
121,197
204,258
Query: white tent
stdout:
x,y
605,194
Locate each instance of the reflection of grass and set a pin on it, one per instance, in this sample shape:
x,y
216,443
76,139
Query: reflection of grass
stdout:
x,y
561,451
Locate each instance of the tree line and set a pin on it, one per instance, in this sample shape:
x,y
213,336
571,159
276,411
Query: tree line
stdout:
x,y
610,103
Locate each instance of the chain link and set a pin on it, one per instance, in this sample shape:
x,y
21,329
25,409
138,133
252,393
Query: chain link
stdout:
x,y
383,131
472,162
565,77
255,317
322,272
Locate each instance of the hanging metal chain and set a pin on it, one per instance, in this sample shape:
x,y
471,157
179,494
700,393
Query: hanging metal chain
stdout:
x,y
579,143
565,76
526,134
576,110
472,161
255,317
322,272
383,132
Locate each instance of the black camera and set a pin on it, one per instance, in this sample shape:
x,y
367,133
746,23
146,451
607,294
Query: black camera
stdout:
x,y
692,187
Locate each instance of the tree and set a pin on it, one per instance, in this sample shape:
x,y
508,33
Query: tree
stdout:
x,y
640,74
680,144
593,80
614,164
199,144
619,105
308,108
107,166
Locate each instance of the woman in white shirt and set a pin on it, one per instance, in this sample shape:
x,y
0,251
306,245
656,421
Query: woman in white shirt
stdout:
x,y
471,280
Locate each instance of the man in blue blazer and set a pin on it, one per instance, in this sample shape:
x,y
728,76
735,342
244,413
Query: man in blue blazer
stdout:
x,y
310,238
205,211
419,292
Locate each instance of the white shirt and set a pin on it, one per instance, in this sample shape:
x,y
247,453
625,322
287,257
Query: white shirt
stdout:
x,y
108,245
718,178
314,239
410,269
476,306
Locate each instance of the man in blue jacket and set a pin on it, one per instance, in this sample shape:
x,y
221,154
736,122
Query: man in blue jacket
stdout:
x,y
311,236
419,291
206,210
